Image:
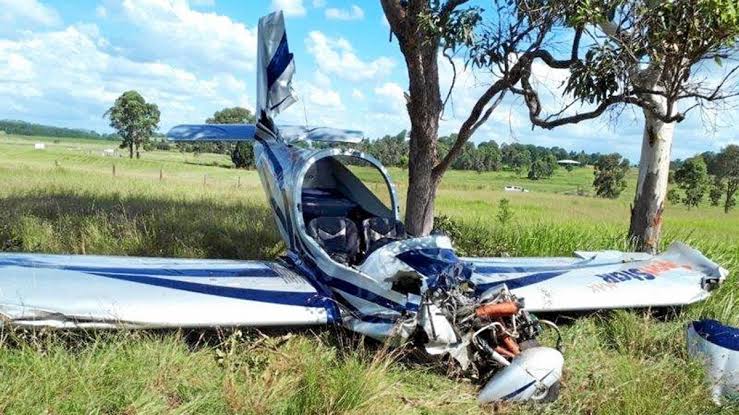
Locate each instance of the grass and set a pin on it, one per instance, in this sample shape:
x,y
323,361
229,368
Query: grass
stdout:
x,y
65,199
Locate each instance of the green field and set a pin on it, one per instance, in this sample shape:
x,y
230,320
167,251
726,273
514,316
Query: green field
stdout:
x,y
65,199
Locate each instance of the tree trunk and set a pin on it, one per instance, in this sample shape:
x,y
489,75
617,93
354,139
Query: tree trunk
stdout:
x,y
419,213
138,156
732,185
651,188
424,107
420,51
130,150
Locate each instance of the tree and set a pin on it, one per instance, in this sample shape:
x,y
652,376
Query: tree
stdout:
x,y
537,170
674,197
647,53
427,29
242,153
716,191
610,175
692,179
521,161
134,119
727,169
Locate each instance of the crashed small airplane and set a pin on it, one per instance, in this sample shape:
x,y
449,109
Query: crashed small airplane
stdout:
x,y
349,261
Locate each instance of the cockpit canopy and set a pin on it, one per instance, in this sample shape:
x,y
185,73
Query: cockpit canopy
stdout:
x,y
348,207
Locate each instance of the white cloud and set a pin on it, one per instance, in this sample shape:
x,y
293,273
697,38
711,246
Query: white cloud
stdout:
x,y
337,57
392,98
17,15
319,4
291,8
174,33
68,77
357,94
353,13
101,11
322,97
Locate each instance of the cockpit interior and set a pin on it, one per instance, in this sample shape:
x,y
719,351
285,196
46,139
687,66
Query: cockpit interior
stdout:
x,y
347,208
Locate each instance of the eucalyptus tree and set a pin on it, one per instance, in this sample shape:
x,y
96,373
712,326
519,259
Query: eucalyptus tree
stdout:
x,y
430,30
648,53
134,119
727,170
692,178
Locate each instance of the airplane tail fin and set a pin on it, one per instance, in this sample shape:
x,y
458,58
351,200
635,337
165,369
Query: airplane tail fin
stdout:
x,y
275,67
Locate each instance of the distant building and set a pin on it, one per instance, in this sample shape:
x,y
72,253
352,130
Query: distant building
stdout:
x,y
39,146
515,189
568,162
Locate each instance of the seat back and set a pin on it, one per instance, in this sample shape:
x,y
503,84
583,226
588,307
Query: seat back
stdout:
x,y
379,231
337,236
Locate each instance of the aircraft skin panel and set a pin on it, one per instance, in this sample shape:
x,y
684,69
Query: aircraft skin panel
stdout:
x,y
212,132
101,291
679,276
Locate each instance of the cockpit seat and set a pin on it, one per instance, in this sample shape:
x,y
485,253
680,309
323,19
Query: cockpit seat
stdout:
x,y
379,231
324,202
337,236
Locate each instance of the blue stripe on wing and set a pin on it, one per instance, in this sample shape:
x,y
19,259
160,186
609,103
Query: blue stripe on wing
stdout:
x,y
520,282
308,299
260,271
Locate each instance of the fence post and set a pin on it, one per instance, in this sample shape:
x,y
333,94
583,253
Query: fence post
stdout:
x,y
238,183
113,169
161,174
205,179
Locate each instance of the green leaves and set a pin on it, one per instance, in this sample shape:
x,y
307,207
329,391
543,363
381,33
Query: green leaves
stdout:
x,y
454,29
610,175
599,76
692,179
134,119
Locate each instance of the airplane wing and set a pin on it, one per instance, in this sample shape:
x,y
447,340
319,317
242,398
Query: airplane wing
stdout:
x,y
212,132
602,280
80,291
246,132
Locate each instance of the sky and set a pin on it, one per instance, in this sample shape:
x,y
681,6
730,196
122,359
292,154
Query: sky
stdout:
x,y
64,63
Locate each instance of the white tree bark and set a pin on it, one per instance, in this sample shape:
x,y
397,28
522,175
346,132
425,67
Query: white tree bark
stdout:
x,y
651,189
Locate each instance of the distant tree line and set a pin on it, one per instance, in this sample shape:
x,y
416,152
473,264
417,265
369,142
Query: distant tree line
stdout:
x,y
31,129
711,174
540,162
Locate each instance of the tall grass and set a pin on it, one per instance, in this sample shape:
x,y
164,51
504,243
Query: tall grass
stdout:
x,y
66,200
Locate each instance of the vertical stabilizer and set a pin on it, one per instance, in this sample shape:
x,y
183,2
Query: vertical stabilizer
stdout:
x,y
275,66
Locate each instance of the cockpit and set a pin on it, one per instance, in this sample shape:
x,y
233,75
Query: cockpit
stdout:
x,y
348,208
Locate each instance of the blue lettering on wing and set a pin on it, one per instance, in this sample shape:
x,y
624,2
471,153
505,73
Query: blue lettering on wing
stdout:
x,y
625,275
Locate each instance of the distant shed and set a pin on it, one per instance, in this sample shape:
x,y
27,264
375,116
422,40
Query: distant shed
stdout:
x,y
39,146
568,162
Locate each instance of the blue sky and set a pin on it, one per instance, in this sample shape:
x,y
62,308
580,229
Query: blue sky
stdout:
x,y
64,63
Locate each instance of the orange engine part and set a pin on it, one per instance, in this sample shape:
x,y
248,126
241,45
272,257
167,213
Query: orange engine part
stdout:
x,y
505,309
505,352
511,345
